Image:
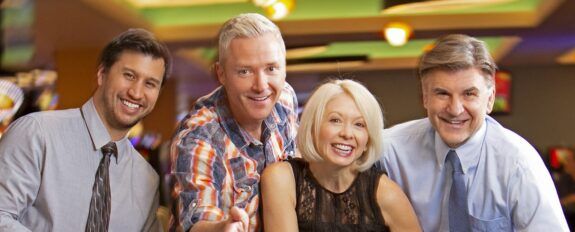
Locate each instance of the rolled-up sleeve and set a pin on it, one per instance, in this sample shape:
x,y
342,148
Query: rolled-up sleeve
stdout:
x,y
199,175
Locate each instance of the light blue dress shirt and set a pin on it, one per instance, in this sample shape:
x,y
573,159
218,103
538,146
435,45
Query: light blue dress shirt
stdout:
x,y
48,162
509,188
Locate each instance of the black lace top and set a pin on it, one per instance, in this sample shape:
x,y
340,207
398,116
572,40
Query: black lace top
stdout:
x,y
319,209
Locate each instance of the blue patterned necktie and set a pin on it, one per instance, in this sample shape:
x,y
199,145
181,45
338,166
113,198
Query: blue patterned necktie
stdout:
x,y
100,205
458,211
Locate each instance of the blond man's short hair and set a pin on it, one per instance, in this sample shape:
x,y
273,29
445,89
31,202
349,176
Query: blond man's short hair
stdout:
x,y
247,25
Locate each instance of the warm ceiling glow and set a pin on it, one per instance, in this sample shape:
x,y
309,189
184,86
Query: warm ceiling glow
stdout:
x,y
567,58
276,9
315,67
295,53
178,3
264,3
397,33
436,5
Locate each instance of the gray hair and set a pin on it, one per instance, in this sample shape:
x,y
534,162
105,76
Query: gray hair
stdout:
x,y
458,52
246,26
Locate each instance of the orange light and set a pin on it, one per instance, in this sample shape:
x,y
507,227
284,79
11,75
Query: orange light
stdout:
x,y
276,9
6,102
397,33
264,3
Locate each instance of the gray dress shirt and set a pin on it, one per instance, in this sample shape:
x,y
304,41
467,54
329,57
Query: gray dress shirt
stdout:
x,y
508,186
48,162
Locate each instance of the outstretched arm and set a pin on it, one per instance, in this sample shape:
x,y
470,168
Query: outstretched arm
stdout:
x,y
395,207
278,198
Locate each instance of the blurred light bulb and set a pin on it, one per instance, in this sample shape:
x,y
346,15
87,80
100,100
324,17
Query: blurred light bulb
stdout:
x,y
264,3
397,34
279,9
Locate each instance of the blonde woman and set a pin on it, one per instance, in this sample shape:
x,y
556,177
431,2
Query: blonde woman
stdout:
x,y
334,187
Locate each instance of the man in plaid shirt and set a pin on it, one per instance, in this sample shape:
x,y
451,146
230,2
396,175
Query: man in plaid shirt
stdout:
x,y
250,121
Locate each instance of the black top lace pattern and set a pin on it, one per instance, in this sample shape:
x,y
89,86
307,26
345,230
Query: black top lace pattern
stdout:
x,y
319,209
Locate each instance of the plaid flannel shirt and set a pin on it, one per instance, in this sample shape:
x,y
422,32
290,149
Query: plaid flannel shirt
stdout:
x,y
217,164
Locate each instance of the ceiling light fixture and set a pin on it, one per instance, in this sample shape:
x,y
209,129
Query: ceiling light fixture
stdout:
x,y
397,33
263,3
276,9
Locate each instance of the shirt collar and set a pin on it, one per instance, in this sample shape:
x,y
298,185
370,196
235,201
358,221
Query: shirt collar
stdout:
x,y
240,137
97,130
468,152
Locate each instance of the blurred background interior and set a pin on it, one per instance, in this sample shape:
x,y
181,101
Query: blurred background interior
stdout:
x,y
50,47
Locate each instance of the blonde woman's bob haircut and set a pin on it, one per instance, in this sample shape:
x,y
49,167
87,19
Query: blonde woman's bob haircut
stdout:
x,y
313,114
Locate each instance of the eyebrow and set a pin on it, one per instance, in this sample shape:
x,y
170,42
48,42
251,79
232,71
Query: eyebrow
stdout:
x,y
341,115
128,69
249,66
241,66
442,90
147,78
471,89
438,89
153,79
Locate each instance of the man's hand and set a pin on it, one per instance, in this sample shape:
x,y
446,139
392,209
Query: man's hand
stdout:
x,y
238,221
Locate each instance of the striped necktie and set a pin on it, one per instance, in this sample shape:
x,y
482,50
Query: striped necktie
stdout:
x,y
458,211
100,205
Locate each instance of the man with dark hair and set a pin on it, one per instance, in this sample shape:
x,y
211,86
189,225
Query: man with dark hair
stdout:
x,y
461,169
75,169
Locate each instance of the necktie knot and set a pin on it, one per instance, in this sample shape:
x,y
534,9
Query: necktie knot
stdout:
x,y
454,160
110,149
